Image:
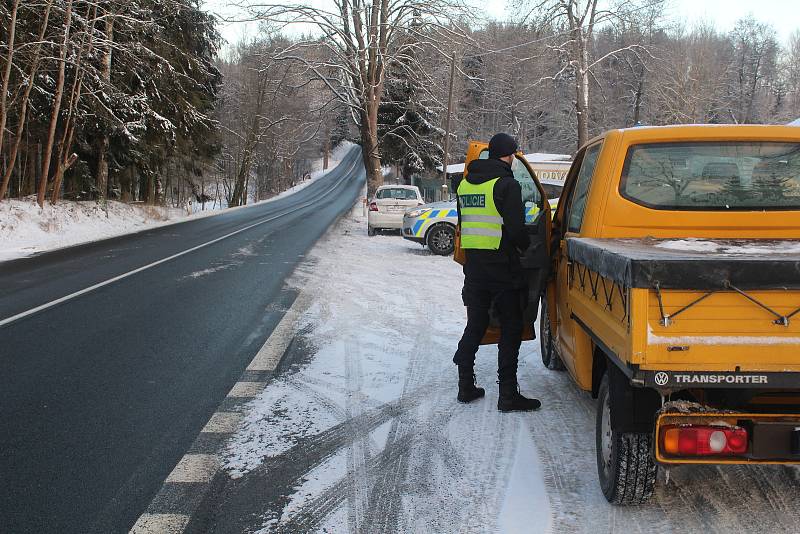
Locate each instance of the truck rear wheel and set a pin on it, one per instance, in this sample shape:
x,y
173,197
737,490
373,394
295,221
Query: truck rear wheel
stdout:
x,y
625,464
550,357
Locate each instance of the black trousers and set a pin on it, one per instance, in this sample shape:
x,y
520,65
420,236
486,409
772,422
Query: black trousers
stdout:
x,y
478,298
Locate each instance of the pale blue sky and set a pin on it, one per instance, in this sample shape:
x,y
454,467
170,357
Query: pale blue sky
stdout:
x,y
784,15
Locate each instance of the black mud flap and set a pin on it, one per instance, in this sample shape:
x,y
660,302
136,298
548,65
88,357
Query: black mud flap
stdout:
x,y
636,407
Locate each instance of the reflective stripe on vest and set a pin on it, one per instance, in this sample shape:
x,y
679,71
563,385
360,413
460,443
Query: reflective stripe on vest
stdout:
x,y
481,223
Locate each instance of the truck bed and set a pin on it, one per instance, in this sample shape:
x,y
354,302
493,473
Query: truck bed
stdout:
x,y
700,264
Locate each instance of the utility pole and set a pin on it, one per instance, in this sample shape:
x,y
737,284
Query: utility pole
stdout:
x,y
447,123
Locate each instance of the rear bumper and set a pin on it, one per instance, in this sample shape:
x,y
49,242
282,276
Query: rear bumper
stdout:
x,y
772,438
385,220
677,380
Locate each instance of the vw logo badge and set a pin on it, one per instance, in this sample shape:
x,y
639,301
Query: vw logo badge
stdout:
x,y
662,378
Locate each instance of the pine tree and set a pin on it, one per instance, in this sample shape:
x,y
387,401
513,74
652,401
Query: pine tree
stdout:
x,y
771,182
407,125
734,192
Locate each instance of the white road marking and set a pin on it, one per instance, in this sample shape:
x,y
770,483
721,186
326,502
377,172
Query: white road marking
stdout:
x,y
195,468
71,296
246,389
130,273
271,352
160,524
223,422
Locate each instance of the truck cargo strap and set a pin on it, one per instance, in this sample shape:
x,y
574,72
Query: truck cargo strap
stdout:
x,y
666,319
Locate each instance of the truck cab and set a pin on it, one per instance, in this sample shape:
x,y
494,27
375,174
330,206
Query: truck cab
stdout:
x,y
674,298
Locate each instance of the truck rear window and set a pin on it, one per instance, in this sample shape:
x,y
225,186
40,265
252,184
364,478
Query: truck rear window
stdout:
x,y
713,176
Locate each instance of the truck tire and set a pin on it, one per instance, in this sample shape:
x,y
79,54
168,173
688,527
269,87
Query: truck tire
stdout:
x,y
441,239
370,231
550,357
625,464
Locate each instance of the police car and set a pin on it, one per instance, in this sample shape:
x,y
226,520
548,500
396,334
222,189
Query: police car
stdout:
x,y
434,225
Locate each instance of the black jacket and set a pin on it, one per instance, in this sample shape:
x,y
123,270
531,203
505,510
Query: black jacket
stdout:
x,y
499,267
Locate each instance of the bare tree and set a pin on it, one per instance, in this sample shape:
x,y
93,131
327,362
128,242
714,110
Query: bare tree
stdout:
x,y
754,70
12,28
51,136
28,84
361,37
580,20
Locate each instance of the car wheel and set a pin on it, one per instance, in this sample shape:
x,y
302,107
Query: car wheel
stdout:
x,y
370,231
441,239
550,357
625,464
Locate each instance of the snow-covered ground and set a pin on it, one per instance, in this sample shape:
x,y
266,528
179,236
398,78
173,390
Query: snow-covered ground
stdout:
x,y
26,229
361,432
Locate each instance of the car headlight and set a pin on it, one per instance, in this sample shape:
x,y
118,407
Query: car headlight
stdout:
x,y
413,214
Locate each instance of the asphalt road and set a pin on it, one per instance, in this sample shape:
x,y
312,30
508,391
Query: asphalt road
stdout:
x,y
101,395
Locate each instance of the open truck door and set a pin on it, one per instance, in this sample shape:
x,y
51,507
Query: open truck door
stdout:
x,y
536,259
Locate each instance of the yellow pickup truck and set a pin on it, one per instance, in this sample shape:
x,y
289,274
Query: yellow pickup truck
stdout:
x,y
674,298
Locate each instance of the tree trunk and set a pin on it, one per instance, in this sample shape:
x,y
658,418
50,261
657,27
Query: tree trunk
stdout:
x,y
369,147
7,72
48,148
23,109
101,178
326,157
582,100
65,160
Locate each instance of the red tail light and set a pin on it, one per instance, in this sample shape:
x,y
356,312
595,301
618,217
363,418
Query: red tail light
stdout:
x,y
373,206
692,440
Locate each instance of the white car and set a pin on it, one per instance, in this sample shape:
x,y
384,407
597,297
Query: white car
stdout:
x,y
390,203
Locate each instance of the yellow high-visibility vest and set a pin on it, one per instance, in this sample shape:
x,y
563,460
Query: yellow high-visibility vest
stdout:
x,y
481,223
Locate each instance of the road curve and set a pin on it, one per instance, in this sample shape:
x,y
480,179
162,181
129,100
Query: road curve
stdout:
x,y
101,394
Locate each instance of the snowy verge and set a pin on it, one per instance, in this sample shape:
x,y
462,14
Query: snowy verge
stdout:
x,y
362,429
26,229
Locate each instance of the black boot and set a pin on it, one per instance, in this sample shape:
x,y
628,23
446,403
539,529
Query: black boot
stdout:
x,y
511,400
467,390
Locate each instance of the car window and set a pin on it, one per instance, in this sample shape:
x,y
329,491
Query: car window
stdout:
x,y
397,193
581,190
713,175
531,197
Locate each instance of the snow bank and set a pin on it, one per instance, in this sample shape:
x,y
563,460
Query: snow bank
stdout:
x,y
724,247
26,229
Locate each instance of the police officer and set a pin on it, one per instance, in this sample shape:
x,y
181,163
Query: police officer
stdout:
x,y
493,235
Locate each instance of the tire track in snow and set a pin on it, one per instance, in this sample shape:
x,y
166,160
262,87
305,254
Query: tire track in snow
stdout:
x,y
385,497
261,494
358,452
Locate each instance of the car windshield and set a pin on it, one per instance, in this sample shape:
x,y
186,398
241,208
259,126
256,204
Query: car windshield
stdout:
x,y
397,193
713,175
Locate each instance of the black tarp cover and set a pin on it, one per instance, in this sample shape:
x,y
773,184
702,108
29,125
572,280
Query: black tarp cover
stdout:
x,y
691,263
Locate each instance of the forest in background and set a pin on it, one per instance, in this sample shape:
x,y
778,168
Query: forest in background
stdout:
x,y
133,100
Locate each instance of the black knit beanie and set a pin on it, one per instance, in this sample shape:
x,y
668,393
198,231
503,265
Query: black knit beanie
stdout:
x,y
501,145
